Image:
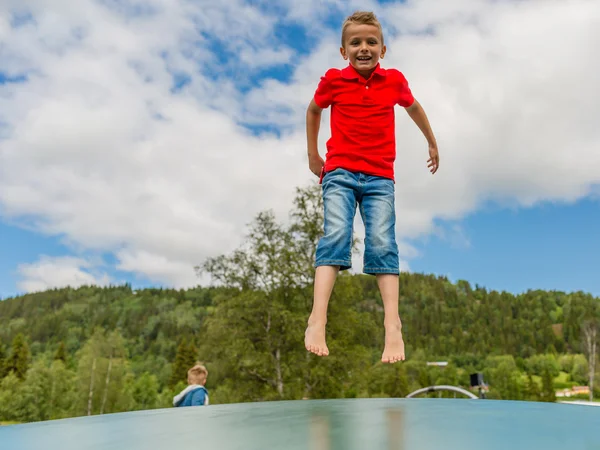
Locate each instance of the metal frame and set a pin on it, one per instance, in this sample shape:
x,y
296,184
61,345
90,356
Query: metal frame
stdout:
x,y
443,388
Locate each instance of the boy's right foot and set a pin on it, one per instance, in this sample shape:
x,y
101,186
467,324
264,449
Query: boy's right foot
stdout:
x,y
314,339
394,344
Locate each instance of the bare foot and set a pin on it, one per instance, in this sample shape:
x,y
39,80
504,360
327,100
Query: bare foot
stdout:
x,y
314,339
394,344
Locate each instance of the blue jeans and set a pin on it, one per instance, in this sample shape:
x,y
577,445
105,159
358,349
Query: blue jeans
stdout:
x,y
342,192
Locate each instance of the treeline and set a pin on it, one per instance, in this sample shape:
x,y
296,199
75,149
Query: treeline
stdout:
x,y
73,352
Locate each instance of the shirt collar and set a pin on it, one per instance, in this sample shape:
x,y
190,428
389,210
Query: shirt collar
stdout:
x,y
350,72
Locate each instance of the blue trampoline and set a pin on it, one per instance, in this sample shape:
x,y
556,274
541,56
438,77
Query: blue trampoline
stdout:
x,y
399,424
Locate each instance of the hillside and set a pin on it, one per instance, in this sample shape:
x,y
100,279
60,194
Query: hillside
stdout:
x,y
149,338
439,317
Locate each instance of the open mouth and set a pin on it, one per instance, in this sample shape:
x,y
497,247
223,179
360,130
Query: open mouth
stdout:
x,y
363,58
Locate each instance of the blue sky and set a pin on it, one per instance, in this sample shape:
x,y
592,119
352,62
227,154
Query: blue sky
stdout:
x,y
134,146
554,247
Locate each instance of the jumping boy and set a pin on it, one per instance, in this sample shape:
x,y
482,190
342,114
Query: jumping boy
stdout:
x,y
359,170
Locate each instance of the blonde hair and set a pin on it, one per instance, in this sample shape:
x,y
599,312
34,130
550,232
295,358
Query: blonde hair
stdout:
x,y
198,373
362,18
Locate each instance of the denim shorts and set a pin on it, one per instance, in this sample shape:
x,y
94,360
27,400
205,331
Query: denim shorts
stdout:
x,y
343,191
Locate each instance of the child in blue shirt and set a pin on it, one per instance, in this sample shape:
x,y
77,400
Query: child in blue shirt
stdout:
x,y
195,394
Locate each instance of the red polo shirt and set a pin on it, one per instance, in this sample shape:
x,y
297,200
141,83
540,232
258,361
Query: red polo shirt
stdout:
x,y
363,137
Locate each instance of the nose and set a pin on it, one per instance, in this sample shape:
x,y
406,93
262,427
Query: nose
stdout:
x,y
363,47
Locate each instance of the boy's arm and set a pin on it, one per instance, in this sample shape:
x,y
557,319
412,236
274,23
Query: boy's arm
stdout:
x,y
313,123
417,114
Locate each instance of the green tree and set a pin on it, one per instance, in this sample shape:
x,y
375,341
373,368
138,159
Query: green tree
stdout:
x,y
590,344
145,392
548,393
185,358
3,371
46,393
103,375
263,269
34,395
257,332
63,394
448,376
579,371
18,360
10,398
504,377
532,389
538,364
117,373
61,353
306,228
387,381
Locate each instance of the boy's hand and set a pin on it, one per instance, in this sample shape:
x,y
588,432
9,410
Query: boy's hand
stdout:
x,y
316,163
434,159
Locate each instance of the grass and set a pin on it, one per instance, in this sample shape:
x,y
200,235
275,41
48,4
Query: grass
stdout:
x,y
563,377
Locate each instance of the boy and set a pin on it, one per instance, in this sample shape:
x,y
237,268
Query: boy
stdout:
x,y
195,394
359,170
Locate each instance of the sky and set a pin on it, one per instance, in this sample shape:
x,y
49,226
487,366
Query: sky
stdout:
x,y
138,138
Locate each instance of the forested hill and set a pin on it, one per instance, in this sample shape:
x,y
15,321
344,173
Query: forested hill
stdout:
x,y
253,344
441,318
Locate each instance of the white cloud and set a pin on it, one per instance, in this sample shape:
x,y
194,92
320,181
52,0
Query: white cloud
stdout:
x,y
49,273
100,150
157,267
404,266
511,102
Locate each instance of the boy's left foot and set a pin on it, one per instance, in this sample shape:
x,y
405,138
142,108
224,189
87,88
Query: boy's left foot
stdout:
x,y
394,344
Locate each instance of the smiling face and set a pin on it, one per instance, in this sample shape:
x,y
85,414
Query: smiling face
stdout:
x,y
363,46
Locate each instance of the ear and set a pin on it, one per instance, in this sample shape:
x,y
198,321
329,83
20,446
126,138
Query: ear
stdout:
x,y
383,50
343,53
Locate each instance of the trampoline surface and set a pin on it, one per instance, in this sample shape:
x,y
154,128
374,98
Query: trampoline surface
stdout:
x,y
399,424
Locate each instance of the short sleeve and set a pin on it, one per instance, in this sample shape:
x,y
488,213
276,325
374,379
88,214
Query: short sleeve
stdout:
x,y
404,96
323,95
